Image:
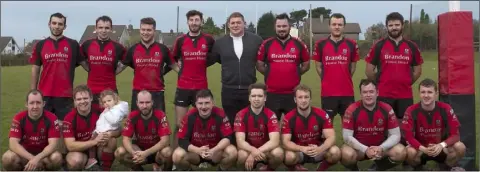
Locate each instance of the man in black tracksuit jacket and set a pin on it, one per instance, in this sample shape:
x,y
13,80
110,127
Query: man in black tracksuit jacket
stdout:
x,y
237,53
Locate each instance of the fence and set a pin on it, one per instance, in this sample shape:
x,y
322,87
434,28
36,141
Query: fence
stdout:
x,y
14,60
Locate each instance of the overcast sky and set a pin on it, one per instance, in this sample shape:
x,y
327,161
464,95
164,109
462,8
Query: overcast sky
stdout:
x,y
28,20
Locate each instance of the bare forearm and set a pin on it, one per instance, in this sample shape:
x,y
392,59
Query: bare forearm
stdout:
x,y
157,147
222,144
127,144
80,146
175,67
84,64
35,75
192,148
47,151
416,75
319,70
304,69
352,69
245,146
328,143
261,68
269,146
120,68
289,145
20,151
370,74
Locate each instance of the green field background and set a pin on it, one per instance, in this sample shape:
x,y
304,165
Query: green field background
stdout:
x,y
15,82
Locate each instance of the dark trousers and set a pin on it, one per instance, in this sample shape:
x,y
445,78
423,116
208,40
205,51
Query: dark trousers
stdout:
x,y
234,100
60,106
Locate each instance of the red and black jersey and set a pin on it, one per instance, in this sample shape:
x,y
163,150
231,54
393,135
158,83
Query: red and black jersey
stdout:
x,y
78,126
422,127
58,58
102,58
146,132
256,127
336,59
395,66
370,127
200,132
148,64
192,51
306,130
34,133
283,62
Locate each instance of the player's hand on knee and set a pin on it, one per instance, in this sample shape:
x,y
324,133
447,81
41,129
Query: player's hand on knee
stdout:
x,y
249,163
370,153
32,165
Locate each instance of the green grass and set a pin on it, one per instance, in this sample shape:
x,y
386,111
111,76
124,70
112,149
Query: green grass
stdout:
x,y
16,80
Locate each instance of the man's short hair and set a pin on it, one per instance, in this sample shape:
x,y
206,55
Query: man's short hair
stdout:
x,y
205,93
104,19
33,92
82,88
394,16
427,82
261,86
144,92
283,16
58,15
235,15
338,16
303,87
149,21
192,13
365,82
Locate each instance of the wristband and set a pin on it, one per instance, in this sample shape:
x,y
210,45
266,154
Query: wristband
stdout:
x,y
444,145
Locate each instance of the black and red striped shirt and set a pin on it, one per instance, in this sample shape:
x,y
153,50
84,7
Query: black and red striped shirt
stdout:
x,y
78,126
192,51
283,62
336,59
102,58
148,64
256,127
58,58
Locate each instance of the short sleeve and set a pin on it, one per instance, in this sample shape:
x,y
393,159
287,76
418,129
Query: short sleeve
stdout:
x,y
408,129
16,130
129,128
261,54
226,128
238,123
355,52
67,128
317,51
54,130
36,57
79,56
417,55
286,125
184,126
328,122
453,122
347,120
127,60
272,124
304,53
392,119
177,47
372,56
164,127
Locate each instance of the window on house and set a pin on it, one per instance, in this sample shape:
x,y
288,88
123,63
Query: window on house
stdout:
x,y
9,45
13,48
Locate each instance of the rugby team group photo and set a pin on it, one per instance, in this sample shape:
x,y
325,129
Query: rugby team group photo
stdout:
x,y
261,125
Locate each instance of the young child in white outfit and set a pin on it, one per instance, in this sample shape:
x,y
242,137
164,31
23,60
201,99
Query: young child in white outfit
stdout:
x,y
115,111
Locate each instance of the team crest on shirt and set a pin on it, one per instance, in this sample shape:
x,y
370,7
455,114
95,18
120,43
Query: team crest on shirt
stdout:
x,y
438,122
153,130
406,51
213,128
57,123
204,46
261,126
380,121
42,130
344,51
157,54
65,49
315,127
109,52
292,50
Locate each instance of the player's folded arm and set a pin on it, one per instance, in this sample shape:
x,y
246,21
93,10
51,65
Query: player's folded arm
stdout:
x,y
242,143
272,143
78,146
15,146
352,141
50,148
163,143
329,134
408,130
288,144
127,144
393,139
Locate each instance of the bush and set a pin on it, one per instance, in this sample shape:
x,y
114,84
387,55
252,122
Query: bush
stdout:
x,y
14,60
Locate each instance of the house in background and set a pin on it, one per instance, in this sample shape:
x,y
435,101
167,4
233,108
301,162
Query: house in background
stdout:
x,y
119,34
320,29
165,38
8,45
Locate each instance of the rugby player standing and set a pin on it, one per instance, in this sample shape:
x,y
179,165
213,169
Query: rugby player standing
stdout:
x,y
34,135
149,130
282,60
335,60
431,130
191,51
308,135
398,63
58,55
258,133
78,127
147,59
371,131
103,56
205,135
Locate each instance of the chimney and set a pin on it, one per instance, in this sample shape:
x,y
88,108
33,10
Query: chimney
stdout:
x,y
171,31
321,18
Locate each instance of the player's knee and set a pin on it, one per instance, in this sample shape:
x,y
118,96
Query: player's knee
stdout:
x,y
56,158
348,155
335,154
8,161
75,163
230,152
459,148
120,152
241,157
178,155
398,153
411,153
290,158
278,154
167,152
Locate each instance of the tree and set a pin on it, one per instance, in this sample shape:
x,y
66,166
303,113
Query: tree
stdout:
x,y
224,26
375,32
251,27
424,17
266,26
316,12
210,27
298,16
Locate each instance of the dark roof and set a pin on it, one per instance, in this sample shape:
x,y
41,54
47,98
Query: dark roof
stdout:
x,y
29,47
4,41
89,33
322,27
169,38
136,32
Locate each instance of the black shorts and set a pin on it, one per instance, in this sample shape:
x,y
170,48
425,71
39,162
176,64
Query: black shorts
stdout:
x,y
184,97
157,96
60,106
399,106
336,105
280,103
440,158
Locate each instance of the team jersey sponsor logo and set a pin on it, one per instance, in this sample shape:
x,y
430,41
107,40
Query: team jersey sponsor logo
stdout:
x,y
144,62
194,55
370,129
56,57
